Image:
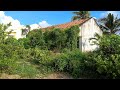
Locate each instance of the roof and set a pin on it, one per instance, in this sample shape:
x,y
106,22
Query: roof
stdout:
x,y
69,24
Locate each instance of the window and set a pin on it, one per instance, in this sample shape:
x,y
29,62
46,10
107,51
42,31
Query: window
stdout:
x,y
78,42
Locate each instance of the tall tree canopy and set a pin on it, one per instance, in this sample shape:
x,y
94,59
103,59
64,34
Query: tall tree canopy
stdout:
x,y
81,15
109,24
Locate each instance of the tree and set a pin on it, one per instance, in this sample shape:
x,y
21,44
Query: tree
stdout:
x,y
72,37
36,39
26,30
109,24
28,27
3,33
80,15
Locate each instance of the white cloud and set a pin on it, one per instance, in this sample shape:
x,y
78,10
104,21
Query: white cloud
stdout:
x,y
44,24
41,24
16,24
7,19
115,13
34,26
2,14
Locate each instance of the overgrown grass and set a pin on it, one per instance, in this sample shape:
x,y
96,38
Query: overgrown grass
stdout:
x,y
31,57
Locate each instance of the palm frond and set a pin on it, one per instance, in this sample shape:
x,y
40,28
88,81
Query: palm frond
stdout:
x,y
77,13
114,31
103,27
81,15
75,18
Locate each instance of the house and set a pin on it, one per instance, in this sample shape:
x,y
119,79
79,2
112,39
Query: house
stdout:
x,y
88,28
16,33
21,31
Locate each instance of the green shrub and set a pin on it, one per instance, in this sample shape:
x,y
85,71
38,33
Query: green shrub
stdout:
x,y
12,41
105,61
71,62
25,70
6,65
109,67
24,42
76,59
35,38
61,62
108,44
89,68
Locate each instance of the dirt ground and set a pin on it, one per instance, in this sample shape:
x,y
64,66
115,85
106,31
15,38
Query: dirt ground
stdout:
x,y
58,76
50,76
6,76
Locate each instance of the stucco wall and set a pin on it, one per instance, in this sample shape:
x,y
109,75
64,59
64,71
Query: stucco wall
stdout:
x,y
18,34
87,31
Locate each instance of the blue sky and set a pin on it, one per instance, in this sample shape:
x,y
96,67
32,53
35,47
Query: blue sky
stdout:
x,y
52,17
43,18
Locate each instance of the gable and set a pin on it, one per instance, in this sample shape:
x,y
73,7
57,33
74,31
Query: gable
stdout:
x,y
89,28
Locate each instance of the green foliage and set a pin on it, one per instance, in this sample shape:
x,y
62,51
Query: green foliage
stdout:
x,y
36,38
25,69
110,24
80,15
70,62
76,59
60,62
5,65
100,66
105,61
40,56
109,44
3,33
55,39
24,42
12,41
57,49
72,34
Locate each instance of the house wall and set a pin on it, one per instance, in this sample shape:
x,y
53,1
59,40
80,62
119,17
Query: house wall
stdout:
x,y
87,31
16,33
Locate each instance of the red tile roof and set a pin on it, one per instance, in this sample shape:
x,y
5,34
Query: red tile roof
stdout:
x,y
69,24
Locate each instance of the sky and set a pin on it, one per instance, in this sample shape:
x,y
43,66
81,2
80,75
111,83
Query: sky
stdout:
x,y
43,18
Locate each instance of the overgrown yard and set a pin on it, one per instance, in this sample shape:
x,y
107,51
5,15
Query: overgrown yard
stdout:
x,y
46,54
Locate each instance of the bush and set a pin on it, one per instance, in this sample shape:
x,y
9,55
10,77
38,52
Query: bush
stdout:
x,y
6,65
109,44
39,56
72,34
12,41
24,42
60,62
71,62
25,69
109,67
76,63
105,62
35,38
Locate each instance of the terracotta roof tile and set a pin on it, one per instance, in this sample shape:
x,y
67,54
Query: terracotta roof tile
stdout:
x,y
69,24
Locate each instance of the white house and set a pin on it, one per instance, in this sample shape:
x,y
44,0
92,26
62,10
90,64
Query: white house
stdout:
x,y
88,28
18,33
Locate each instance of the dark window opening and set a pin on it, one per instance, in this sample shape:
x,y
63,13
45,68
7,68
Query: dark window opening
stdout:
x,y
78,42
